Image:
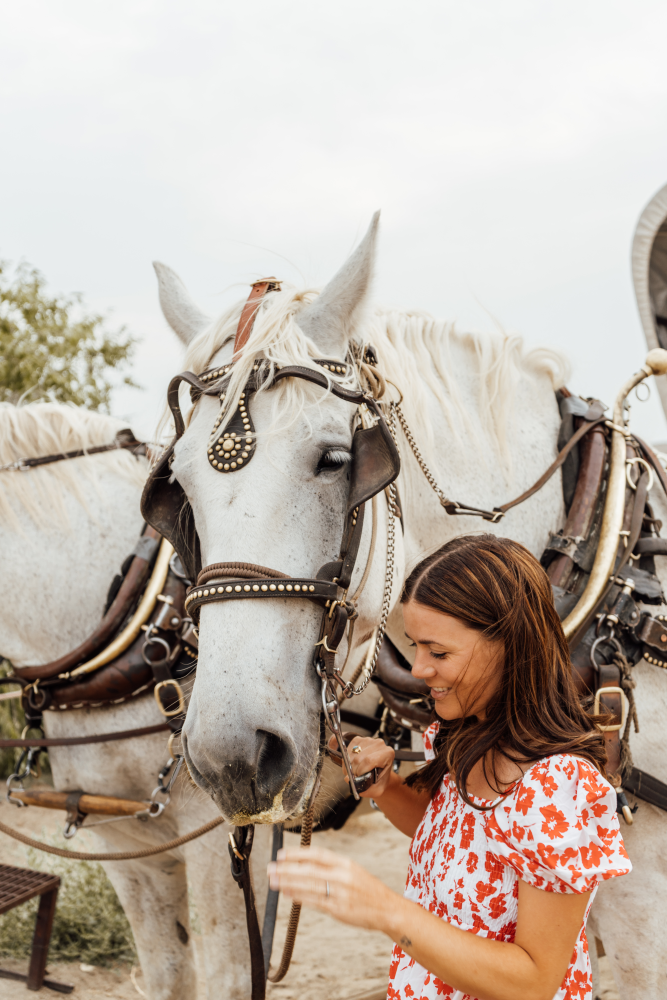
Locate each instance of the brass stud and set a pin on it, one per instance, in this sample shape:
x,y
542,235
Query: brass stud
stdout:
x,y
233,465
264,587
311,587
246,586
226,467
272,586
239,461
289,586
228,590
221,590
255,587
237,588
244,454
297,587
281,586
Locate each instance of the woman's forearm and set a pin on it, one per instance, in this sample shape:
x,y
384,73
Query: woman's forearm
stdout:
x,y
401,805
483,968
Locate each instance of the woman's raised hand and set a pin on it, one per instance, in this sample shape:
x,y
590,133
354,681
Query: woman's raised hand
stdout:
x,y
334,884
365,754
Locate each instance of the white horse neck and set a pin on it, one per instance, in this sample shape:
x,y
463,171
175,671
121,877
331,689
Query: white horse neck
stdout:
x,y
65,531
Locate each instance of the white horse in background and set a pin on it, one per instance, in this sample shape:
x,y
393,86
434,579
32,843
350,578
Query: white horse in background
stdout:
x,y
65,529
484,415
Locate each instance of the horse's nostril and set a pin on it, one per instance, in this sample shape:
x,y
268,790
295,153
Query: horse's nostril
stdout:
x,y
275,760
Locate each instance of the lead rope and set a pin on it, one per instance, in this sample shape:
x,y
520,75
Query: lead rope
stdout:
x,y
295,912
147,852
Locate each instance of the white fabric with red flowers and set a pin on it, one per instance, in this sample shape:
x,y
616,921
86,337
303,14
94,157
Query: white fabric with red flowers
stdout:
x,y
556,829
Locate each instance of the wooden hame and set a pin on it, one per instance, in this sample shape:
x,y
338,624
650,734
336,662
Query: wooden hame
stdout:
x,y
100,804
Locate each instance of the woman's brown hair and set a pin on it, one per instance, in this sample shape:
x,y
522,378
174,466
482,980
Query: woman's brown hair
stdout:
x,y
497,587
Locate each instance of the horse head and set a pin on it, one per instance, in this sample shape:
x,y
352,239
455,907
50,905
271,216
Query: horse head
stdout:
x,y
252,738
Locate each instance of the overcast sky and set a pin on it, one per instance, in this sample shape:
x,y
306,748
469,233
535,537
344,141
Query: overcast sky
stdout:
x,y
511,147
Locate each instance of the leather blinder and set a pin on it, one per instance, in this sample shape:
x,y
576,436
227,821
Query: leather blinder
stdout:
x,y
375,463
166,508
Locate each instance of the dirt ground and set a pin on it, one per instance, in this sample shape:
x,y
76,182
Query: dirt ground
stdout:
x,y
352,965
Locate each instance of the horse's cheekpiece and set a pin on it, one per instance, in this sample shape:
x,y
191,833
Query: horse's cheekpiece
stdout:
x,y
375,466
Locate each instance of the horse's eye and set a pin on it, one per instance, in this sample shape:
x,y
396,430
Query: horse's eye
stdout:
x,y
333,459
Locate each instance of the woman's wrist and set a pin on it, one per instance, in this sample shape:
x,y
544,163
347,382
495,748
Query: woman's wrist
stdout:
x,y
395,781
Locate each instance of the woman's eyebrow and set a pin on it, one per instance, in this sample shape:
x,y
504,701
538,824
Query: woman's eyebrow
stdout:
x,y
425,642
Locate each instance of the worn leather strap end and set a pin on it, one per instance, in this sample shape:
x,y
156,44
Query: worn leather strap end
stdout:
x,y
247,320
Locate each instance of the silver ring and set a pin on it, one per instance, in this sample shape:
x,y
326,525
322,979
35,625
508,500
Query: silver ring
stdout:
x,y
328,891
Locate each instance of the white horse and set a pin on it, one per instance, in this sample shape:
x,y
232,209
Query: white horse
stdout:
x,y
484,414
65,529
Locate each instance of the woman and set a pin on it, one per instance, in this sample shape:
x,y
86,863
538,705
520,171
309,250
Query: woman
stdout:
x,y
513,823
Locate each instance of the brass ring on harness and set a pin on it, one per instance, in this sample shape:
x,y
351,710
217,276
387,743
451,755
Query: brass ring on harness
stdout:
x,y
156,640
397,390
168,713
31,692
638,461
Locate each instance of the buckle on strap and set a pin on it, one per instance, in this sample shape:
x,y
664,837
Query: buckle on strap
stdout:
x,y
169,713
624,708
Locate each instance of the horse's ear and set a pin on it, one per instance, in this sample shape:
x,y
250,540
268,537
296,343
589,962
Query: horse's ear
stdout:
x,y
180,311
331,319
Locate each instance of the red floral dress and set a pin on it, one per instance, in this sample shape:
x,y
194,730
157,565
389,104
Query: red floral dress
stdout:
x,y
557,830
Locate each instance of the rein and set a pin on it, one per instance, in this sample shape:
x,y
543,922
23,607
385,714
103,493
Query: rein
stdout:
x,y
77,741
125,439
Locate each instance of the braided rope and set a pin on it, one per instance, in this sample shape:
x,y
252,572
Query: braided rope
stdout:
x,y
147,852
240,570
295,912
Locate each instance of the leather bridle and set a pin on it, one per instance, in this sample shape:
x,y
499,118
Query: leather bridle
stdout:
x,y
375,466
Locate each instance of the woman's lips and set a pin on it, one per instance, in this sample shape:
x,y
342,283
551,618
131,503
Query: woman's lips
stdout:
x,y
439,693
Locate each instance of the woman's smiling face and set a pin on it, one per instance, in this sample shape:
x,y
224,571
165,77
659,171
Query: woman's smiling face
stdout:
x,y
460,665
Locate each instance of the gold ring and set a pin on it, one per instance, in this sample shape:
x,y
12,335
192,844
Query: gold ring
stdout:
x,y
356,749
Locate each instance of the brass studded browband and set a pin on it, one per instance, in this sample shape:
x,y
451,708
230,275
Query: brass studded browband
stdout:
x,y
236,445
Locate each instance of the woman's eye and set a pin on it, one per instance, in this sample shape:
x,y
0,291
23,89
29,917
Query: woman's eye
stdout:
x,y
333,459
438,656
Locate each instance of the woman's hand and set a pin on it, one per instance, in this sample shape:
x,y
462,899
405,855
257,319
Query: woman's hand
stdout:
x,y
365,754
354,896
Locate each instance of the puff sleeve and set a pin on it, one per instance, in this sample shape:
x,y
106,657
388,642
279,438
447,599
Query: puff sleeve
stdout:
x,y
558,828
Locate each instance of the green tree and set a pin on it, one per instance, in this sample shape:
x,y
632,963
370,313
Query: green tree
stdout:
x,y
51,346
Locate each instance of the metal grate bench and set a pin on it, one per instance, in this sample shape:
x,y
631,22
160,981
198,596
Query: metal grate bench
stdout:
x,y
18,885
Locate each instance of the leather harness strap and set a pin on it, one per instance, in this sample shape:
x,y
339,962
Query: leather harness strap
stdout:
x,y
126,597
77,741
546,476
125,439
240,846
249,311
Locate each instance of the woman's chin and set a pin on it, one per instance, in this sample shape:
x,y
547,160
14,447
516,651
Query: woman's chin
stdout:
x,y
448,709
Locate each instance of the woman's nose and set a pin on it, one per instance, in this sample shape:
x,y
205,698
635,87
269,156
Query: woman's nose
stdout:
x,y
422,667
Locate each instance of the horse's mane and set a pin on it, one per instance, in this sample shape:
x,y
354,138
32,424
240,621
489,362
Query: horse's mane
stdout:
x,y
45,428
416,352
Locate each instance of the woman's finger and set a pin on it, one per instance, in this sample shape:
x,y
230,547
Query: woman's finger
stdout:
x,y
304,855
